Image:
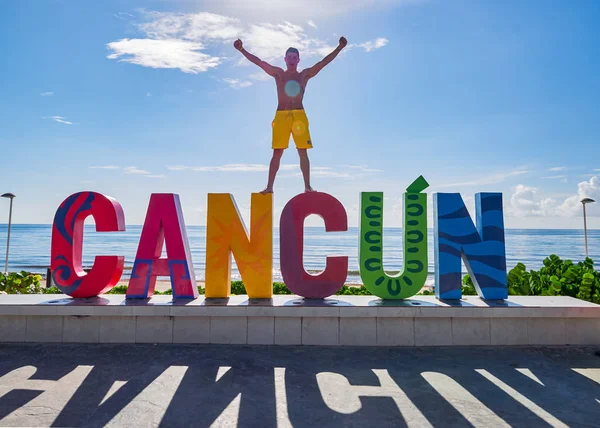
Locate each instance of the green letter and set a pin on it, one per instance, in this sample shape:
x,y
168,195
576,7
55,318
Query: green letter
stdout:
x,y
410,281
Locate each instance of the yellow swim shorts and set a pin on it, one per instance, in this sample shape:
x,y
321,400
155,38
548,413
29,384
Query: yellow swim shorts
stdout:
x,y
294,122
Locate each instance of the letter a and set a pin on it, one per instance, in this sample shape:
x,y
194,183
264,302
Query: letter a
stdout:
x,y
481,249
227,234
164,225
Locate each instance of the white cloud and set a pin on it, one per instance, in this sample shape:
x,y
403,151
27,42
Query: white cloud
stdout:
x,y
557,168
328,173
261,76
241,167
134,170
553,177
316,171
174,40
357,171
372,44
122,15
526,201
492,179
362,168
236,83
585,189
195,27
270,41
312,23
58,119
47,94
169,53
148,94
129,170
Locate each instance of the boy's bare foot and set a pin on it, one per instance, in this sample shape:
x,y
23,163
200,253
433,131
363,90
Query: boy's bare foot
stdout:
x,y
309,190
265,191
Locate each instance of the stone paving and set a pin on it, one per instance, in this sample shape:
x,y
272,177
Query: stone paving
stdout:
x,y
245,386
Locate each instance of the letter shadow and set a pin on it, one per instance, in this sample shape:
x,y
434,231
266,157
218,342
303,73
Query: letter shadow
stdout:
x,y
307,386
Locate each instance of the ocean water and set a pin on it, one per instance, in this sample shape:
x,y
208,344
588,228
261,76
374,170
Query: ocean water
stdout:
x,y
30,248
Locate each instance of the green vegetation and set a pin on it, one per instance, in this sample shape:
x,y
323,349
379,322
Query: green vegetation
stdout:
x,y
20,283
237,288
556,278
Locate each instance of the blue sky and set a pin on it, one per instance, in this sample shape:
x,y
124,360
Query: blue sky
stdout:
x,y
128,98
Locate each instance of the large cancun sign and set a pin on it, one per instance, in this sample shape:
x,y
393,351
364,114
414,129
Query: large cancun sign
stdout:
x,y
479,244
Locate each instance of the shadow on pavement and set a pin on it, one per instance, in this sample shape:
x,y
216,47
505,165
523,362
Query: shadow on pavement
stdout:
x,y
178,385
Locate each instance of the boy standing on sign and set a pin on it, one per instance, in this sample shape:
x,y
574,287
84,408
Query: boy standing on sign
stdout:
x,y
290,117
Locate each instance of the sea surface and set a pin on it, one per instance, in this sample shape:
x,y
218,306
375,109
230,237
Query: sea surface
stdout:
x,y
30,248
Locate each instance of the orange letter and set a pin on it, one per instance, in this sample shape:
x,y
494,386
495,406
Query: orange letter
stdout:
x,y
226,234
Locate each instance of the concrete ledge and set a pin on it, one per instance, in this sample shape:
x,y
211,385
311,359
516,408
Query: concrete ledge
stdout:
x,y
292,320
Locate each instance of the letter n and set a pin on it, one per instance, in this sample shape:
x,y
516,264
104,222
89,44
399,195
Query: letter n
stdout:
x,y
226,234
481,248
163,225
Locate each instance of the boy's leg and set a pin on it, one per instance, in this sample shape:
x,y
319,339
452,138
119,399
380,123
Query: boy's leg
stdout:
x,y
305,168
273,168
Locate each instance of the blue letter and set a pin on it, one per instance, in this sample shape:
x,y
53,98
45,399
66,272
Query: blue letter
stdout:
x,y
482,249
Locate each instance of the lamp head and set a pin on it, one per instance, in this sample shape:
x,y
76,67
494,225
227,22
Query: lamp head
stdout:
x,y
587,201
8,195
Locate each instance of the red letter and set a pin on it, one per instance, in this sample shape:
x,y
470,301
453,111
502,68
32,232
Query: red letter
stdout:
x,y
67,243
291,246
163,224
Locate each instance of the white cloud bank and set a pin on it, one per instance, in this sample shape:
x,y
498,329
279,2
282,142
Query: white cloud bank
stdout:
x,y
131,170
237,83
345,171
193,42
171,53
527,202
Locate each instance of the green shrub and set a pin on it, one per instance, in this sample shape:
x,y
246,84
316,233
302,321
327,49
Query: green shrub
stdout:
x,y
280,288
20,283
556,278
118,289
353,291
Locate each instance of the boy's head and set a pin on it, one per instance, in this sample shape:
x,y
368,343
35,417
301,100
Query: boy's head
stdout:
x,y
292,57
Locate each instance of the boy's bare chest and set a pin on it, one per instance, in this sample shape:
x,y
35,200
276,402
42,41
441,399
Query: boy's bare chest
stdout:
x,y
291,85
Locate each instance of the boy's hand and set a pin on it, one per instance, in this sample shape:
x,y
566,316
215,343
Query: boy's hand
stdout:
x,y
238,44
343,42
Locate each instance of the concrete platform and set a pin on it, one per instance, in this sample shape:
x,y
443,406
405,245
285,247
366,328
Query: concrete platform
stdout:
x,y
292,320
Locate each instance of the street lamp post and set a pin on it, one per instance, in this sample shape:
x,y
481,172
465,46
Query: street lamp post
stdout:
x,y
584,202
11,197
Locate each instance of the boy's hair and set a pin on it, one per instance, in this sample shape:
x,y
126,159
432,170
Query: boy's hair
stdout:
x,y
292,50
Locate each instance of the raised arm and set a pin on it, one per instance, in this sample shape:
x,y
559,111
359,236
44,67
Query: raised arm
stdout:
x,y
314,70
268,68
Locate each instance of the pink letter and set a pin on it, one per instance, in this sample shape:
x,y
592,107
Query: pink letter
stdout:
x,y
291,235
163,224
67,244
